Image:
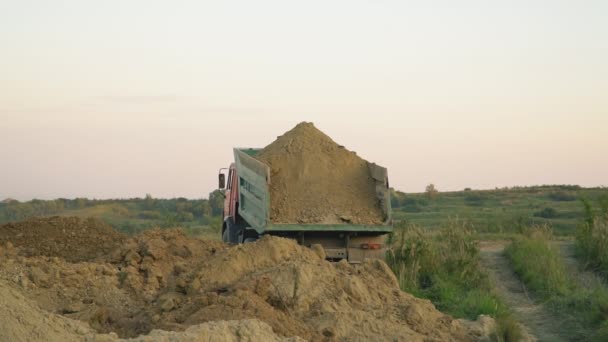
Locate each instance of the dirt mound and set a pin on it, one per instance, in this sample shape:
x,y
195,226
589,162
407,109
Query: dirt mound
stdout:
x,y
315,180
189,287
70,238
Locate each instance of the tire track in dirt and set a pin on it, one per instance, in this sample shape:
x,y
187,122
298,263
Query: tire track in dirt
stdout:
x,y
540,324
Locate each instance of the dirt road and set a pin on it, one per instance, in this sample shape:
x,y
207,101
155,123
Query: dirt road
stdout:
x,y
541,324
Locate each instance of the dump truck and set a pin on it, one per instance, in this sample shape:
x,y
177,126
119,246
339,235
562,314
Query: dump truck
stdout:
x,y
246,215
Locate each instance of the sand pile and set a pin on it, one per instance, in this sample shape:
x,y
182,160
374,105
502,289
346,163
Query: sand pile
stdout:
x,y
192,289
315,180
71,238
22,320
248,330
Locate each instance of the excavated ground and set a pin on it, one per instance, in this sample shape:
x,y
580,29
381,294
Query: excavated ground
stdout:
x,y
162,285
315,180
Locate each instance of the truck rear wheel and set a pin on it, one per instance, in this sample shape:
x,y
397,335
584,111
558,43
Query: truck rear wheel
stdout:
x,y
232,232
249,235
225,237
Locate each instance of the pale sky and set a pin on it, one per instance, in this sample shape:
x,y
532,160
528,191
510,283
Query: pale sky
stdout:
x,y
114,99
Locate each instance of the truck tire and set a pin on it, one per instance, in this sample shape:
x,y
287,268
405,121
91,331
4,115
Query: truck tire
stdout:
x,y
249,235
225,237
232,233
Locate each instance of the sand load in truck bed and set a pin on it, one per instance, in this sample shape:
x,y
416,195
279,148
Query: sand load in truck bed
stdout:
x,y
315,180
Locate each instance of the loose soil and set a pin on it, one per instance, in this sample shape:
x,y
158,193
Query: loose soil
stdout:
x,y
540,324
71,238
162,285
315,180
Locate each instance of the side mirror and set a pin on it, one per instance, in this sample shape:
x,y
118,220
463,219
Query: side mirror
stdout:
x,y
222,181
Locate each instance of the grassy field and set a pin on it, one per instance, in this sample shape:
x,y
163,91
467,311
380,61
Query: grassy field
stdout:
x,y
500,210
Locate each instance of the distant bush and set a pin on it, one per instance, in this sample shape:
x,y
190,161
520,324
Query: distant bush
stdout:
x,y
413,205
546,213
569,187
150,215
185,216
571,214
475,199
397,198
562,196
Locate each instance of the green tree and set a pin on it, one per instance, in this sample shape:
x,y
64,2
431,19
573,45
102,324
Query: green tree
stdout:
x,y
431,191
206,208
149,202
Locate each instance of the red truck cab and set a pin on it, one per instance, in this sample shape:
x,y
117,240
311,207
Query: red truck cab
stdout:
x,y
233,226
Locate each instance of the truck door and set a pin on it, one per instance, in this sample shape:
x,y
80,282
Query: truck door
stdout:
x,y
228,193
234,192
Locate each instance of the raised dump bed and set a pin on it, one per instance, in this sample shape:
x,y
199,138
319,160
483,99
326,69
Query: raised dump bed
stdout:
x,y
254,198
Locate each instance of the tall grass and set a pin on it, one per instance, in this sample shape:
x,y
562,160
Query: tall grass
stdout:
x,y
444,266
583,311
592,237
539,263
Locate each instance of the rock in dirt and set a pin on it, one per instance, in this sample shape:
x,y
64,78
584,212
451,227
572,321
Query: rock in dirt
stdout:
x,y
315,180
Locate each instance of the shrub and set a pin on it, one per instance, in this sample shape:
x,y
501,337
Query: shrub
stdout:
x,y
562,196
413,205
149,215
546,213
476,199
